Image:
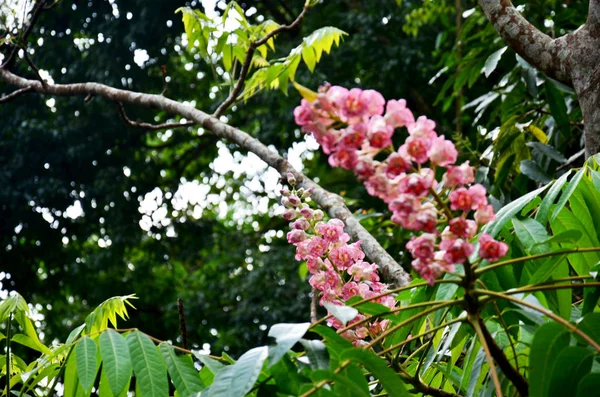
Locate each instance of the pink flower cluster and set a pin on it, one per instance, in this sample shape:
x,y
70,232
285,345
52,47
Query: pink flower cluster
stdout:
x,y
354,127
336,266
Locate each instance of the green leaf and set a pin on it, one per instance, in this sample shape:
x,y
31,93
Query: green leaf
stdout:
x,y
558,108
213,365
148,365
342,313
590,325
544,210
572,364
116,360
549,340
105,389
509,210
334,342
567,193
308,55
530,232
236,380
589,385
30,343
351,382
568,236
533,171
390,380
72,387
492,62
286,336
87,366
549,151
317,353
182,371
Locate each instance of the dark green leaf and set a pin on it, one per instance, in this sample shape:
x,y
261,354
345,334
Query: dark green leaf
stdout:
x,y
558,108
182,371
549,340
533,171
148,365
567,193
544,210
572,364
317,353
115,358
589,385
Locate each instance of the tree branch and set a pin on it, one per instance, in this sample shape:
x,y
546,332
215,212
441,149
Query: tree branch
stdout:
x,y
39,7
233,95
392,272
507,369
14,94
551,56
593,20
148,126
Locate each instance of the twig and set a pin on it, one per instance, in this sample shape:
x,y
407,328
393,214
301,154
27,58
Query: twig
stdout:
x,y
15,94
233,95
474,321
507,369
36,13
571,159
163,68
313,306
32,66
182,325
148,126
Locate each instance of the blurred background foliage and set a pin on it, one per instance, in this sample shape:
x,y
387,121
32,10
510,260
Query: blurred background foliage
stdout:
x,y
92,207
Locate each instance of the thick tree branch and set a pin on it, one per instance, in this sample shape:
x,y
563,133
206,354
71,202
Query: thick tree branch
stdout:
x,y
148,126
392,272
594,14
233,95
551,56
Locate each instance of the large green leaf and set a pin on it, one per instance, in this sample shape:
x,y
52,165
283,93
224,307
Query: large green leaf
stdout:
x,y
236,380
508,211
567,193
566,220
116,360
286,336
544,209
72,386
105,390
87,366
378,367
558,108
148,366
182,371
590,325
317,353
549,340
589,385
572,364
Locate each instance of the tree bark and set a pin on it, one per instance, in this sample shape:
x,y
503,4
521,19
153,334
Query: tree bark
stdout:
x,y
391,271
573,59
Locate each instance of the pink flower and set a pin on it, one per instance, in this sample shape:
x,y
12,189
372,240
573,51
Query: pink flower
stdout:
x,y
462,227
355,105
457,251
332,230
375,102
336,96
364,271
415,184
479,196
307,213
428,270
442,152
459,175
417,148
342,257
345,158
303,114
485,214
317,246
397,115
405,204
364,167
460,199
352,289
491,249
318,280
296,236
423,128
379,133
379,186
396,165
302,250
422,247
289,214
426,218
353,137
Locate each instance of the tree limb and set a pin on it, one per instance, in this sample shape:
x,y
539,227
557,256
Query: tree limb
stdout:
x,y
392,272
551,56
233,95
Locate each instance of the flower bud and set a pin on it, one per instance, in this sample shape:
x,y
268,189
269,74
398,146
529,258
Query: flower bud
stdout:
x,y
290,214
286,202
300,192
307,213
318,215
285,192
301,224
294,200
306,193
291,178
